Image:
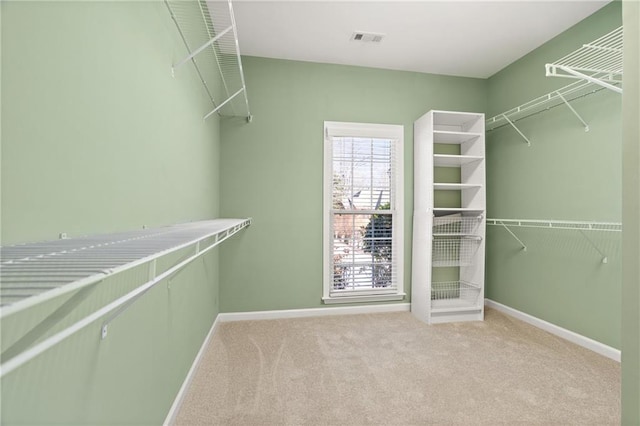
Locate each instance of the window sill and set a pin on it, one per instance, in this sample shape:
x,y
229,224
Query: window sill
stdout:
x,y
361,299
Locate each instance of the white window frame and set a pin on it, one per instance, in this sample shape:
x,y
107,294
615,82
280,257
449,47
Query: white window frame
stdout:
x,y
366,130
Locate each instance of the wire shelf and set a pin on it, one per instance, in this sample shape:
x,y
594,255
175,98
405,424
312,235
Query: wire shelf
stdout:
x,y
558,224
543,103
209,33
583,228
454,251
599,62
461,291
456,224
35,272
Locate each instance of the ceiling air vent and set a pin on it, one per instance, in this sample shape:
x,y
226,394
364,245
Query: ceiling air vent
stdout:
x,y
364,37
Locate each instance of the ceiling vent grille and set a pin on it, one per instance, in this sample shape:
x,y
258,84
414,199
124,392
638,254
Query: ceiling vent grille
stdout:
x,y
364,37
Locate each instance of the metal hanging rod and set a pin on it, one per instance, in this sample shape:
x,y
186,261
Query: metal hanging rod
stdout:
x,y
599,62
209,33
582,227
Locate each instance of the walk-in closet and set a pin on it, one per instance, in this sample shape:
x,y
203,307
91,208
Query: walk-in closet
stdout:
x,y
291,212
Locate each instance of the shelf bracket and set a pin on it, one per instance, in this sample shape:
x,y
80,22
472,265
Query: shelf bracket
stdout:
x,y
586,126
605,259
582,76
201,48
524,247
517,130
223,104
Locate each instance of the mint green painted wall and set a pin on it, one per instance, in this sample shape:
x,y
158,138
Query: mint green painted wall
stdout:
x,y
133,375
272,168
566,174
631,217
97,136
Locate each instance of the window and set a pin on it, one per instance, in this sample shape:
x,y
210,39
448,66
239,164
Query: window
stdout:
x,y
363,212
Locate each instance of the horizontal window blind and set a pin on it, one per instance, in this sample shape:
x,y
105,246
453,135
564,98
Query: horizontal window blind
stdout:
x,y
362,215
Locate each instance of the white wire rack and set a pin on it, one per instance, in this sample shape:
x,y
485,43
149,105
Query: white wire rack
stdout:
x,y
582,227
208,30
454,251
596,65
599,62
562,96
450,293
33,273
456,224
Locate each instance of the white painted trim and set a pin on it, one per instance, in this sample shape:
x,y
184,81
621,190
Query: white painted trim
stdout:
x,y
314,312
394,132
177,402
363,298
569,335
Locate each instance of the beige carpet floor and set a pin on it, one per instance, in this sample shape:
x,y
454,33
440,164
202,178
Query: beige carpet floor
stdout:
x,y
391,369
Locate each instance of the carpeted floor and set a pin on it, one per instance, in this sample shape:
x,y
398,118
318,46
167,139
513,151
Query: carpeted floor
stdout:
x,y
391,369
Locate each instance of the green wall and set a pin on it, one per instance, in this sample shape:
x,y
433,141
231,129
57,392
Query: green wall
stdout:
x,y
97,136
272,168
631,217
566,174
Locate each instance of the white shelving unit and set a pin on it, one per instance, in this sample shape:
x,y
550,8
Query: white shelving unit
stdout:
x,y
448,241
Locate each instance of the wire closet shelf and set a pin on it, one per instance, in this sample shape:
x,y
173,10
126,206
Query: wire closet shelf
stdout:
x,y
36,272
32,274
596,66
599,62
208,31
584,228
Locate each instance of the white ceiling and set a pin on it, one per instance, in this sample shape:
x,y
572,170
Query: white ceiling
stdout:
x,y
463,38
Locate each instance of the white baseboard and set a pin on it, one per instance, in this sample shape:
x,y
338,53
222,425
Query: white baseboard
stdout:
x,y
314,312
177,402
569,335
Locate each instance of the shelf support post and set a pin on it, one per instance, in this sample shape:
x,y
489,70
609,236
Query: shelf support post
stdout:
x,y
524,247
605,258
586,126
223,104
517,130
201,48
580,75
